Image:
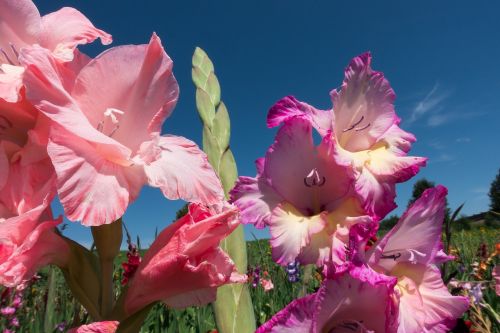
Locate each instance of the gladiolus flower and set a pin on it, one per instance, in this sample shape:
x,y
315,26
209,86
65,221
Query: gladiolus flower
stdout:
x,y
345,303
302,195
21,26
366,133
106,146
408,252
185,265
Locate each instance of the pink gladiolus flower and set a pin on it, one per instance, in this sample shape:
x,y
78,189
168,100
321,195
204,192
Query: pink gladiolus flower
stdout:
x,y
21,26
353,301
366,133
408,252
26,173
97,327
303,196
29,242
185,265
105,142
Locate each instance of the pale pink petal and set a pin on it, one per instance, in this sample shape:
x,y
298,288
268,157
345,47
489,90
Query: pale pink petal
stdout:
x,y
425,303
289,107
11,81
28,186
65,29
136,80
291,232
180,169
20,25
416,237
296,317
377,197
187,258
255,199
386,166
91,188
47,81
27,243
398,140
363,109
304,175
97,327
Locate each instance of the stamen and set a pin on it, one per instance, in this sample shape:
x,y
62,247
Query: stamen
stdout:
x,y
360,129
392,256
314,179
6,56
354,125
12,46
114,130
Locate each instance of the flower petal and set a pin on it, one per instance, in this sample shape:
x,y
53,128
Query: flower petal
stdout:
x,y
20,25
136,80
65,29
91,188
293,159
180,169
187,257
296,317
363,109
427,305
416,237
291,232
347,301
11,81
289,107
47,84
28,243
255,199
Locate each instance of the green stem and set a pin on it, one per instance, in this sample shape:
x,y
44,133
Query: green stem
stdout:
x,y
107,298
49,322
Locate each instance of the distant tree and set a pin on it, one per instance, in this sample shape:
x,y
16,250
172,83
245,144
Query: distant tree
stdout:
x,y
389,222
181,212
418,188
495,194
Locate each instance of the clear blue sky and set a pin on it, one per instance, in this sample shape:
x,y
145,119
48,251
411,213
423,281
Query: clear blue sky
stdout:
x,y
441,58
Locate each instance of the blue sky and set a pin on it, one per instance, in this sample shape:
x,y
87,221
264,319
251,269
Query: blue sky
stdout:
x,y
441,58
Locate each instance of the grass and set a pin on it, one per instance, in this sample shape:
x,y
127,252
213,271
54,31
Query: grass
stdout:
x,y
33,317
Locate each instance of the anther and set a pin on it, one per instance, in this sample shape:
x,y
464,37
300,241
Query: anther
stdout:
x,y
392,256
314,179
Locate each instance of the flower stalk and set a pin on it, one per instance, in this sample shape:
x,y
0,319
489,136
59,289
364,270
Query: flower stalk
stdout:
x,y
233,307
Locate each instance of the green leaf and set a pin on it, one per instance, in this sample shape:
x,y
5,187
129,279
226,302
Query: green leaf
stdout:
x,y
205,107
222,126
49,319
82,277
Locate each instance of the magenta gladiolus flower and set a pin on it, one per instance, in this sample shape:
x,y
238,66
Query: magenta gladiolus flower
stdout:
x,y
185,265
353,301
303,196
105,141
409,252
27,243
365,131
